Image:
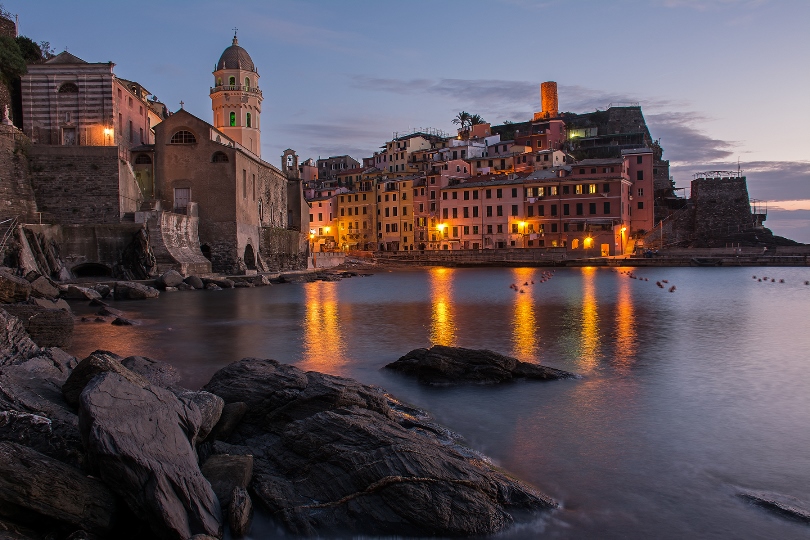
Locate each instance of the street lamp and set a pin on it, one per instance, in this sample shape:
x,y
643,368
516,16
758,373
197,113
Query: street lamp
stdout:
x,y
623,229
522,225
107,133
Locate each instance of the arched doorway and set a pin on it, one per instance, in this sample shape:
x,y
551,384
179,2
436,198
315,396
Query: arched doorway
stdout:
x,y
250,258
206,251
92,270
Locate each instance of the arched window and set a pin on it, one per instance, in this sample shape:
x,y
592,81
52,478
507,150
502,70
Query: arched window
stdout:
x,y
247,82
219,157
143,159
232,122
219,81
232,81
68,88
248,120
183,137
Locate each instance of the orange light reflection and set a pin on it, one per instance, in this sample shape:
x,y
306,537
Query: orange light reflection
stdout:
x,y
324,347
442,327
625,326
590,320
524,322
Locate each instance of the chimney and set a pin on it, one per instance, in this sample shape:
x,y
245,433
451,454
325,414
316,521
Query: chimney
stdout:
x,y
548,99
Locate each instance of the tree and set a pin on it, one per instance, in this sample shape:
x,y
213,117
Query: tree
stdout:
x,y
476,119
462,119
12,61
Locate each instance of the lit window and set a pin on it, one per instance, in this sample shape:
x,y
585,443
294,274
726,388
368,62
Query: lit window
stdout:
x,y
232,118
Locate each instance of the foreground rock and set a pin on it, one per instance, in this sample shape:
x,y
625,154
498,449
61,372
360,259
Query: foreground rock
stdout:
x,y
140,440
331,454
784,505
46,327
13,288
32,482
452,365
170,278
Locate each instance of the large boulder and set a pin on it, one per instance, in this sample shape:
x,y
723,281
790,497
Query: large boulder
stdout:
x,y
96,363
42,287
170,278
226,472
452,365
75,292
13,289
331,454
15,343
194,282
47,303
46,327
240,512
156,372
129,290
36,483
222,283
140,441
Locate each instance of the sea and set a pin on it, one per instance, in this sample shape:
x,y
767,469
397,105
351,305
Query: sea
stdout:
x,y
690,391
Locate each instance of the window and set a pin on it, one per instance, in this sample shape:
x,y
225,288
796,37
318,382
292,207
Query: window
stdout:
x,y
499,210
475,211
639,175
566,190
219,81
183,137
387,212
475,229
231,81
444,195
514,228
639,159
499,193
641,205
232,118
445,212
566,210
514,192
591,188
466,212
606,207
592,208
553,190
466,195
247,120
530,211
475,195
554,228
578,189
182,196
247,82
500,228
579,209
143,159
489,229
455,194
455,232
640,192
605,188
489,211
466,229
244,184
514,209
219,157
553,209
455,213
70,88
254,187
488,194
541,210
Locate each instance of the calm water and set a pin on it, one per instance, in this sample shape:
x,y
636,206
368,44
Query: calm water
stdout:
x,y
685,396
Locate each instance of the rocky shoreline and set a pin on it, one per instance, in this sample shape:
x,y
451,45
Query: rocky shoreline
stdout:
x,y
111,447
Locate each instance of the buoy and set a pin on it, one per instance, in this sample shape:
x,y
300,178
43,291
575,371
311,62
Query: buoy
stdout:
x,y
522,291
773,281
781,281
664,281
672,289
755,277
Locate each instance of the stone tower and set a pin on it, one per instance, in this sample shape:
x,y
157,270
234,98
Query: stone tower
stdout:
x,y
289,163
236,99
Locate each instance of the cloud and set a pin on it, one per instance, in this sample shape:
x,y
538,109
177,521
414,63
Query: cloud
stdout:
x,y
793,224
682,139
767,180
706,5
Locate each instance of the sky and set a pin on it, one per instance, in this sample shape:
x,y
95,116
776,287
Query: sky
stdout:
x,y
718,80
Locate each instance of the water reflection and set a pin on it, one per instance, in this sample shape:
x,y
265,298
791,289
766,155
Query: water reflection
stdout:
x,y
589,338
524,323
626,339
324,345
442,325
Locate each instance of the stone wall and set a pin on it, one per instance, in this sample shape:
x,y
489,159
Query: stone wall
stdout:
x,y
7,29
16,195
175,242
282,250
76,184
720,207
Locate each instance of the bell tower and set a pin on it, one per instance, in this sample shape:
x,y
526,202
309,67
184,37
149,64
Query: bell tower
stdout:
x,y
236,99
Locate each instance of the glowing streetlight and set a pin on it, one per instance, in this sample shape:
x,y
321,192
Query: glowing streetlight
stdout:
x,y
107,133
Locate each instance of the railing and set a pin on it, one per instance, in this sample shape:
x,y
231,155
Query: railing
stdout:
x,y
503,255
10,224
249,89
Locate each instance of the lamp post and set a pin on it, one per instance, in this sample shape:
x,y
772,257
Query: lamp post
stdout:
x,y
441,227
623,229
522,225
107,134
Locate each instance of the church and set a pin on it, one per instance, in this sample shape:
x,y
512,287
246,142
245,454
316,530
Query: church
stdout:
x,y
143,164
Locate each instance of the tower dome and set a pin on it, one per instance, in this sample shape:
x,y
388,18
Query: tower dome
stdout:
x,y
235,57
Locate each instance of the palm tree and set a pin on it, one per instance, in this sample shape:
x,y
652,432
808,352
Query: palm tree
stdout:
x,y
476,119
462,119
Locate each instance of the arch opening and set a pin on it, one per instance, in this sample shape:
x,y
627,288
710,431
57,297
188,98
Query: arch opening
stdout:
x,y
219,157
92,270
250,258
206,251
183,137
68,88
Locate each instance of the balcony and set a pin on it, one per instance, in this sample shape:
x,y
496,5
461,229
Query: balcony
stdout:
x,y
248,89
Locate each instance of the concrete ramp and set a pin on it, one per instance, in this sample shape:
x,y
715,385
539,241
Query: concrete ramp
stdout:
x,y
175,241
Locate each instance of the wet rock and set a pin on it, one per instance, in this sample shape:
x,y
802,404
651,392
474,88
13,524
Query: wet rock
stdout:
x,y
107,311
331,454
232,414
147,455
46,327
97,362
213,287
172,289
170,278
184,287
51,304
39,484
37,432
13,289
226,472
452,365
241,284
42,287
157,373
74,292
14,531
222,283
103,289
783,505
15,344
209,407
240,512
195,282
97,302
129,290
261,280
121,321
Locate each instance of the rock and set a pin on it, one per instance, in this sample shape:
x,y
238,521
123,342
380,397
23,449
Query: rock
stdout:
x,y
42,287
121,321
170,278
46,327
232,414
15,343
103,289
140,440
261,280
184,287
452,365
13,531
213,287
107,311
38,433
195,282
51,304
209,406
222,283
157,373
172,289
784,505
242,284
240,512
40,484
331,454
98,302
74,292
98,362
226,472
128,290
13,289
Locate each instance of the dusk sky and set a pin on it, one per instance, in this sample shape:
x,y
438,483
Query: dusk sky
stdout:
x,y
718,80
